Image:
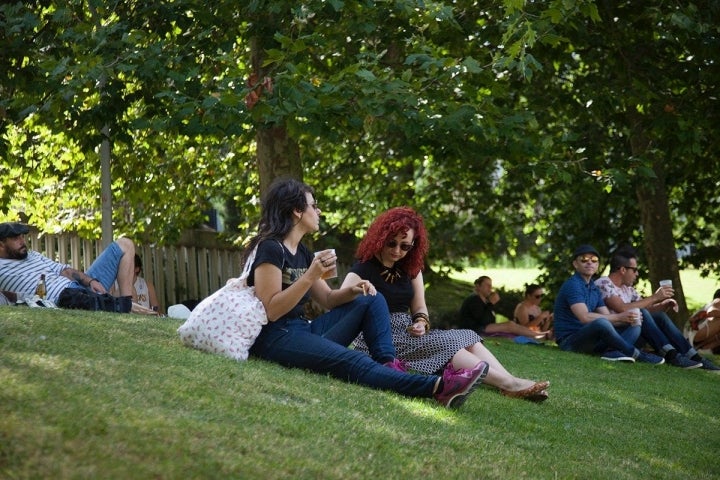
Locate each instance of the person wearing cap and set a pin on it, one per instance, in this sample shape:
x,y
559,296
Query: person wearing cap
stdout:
x,y
584,324
657,329
8,230
20,268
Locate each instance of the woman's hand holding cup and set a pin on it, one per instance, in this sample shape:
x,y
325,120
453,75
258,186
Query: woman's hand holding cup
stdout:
x,y
328,262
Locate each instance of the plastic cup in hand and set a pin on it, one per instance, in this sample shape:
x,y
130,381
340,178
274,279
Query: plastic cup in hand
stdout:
x,y
332,273
637,316
666,283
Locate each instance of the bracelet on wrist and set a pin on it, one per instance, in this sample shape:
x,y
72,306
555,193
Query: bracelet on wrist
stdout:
x,y
422,317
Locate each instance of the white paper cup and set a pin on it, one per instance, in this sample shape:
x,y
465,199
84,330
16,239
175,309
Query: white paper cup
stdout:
x,y
666,283
638,316
332,273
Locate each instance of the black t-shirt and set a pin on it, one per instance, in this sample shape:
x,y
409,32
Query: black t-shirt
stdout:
x,y
398,294
476,313
292,267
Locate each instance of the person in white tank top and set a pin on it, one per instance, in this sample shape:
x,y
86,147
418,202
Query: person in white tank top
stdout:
x,y
141,289
145,299
144,290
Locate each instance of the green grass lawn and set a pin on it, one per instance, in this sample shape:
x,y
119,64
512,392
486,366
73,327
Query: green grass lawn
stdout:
x,y
98,395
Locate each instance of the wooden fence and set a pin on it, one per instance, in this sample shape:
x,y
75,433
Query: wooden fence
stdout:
x,y
191,270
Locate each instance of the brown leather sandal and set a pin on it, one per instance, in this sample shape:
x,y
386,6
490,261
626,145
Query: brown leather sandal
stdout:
x,y
533,393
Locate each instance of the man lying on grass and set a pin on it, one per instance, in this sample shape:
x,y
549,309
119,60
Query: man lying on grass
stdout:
x,y
21,269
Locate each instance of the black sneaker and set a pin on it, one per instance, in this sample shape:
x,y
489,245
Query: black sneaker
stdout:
x,y
651,358
682,361
708,365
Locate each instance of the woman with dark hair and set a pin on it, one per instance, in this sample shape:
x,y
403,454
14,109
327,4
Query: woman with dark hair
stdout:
x,y
529,314
286,276
392,257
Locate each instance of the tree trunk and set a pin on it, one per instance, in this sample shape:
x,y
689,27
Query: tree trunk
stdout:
x,y
277,155
106,189
657,227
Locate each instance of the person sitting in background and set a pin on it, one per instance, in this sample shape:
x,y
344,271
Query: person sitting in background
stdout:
x,y
657,329
528,312
584,324
391,256
144,295
144,289
477,313
20,269
704,326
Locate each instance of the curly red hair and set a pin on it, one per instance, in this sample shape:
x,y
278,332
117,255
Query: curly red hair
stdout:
x,y
387,226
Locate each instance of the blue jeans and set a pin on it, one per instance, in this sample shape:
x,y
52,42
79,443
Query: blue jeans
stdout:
x,y
104,268
321,346
599,336
662,334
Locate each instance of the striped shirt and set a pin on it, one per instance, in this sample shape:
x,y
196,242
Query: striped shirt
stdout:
x,y
22,276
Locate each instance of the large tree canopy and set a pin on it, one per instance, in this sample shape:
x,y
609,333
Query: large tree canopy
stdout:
x,y
513,127
161,77
629,104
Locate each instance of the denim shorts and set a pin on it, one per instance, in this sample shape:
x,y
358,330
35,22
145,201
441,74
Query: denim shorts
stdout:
x,y
105,267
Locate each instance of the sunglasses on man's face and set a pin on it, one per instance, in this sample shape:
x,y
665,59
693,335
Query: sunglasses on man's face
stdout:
x,y
588,258
405,247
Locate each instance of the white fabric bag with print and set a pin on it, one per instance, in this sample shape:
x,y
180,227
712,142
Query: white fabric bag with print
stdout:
x,y
228,321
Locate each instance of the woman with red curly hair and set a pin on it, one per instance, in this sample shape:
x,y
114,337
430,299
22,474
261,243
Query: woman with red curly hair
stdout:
x,y
392,256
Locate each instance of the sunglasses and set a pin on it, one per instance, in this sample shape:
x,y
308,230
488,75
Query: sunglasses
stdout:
x,y
539,295
634,269
405,247
586,258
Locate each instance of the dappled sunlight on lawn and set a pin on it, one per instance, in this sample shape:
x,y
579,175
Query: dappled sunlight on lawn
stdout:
x,y
17,386
50,364
428,409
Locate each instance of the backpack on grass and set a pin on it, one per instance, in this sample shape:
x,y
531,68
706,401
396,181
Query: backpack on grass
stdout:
x,y
82,299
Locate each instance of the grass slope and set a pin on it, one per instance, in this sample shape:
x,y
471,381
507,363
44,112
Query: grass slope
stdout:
x,y
95,395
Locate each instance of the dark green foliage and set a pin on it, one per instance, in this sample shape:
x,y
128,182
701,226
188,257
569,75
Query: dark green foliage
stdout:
x,y
513,128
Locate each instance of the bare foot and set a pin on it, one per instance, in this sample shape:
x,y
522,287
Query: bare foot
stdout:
x,y
518,384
